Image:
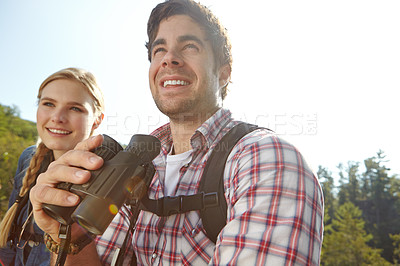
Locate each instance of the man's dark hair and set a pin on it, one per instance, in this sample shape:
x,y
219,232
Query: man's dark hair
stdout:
x,y
215,32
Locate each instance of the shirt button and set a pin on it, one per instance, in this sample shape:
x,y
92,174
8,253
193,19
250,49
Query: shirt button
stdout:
x,y
154,255
193,231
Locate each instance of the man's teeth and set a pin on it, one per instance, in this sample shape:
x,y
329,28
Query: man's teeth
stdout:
x,y
175,82
58,131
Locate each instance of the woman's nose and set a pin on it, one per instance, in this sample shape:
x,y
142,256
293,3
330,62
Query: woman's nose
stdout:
x,y
59,116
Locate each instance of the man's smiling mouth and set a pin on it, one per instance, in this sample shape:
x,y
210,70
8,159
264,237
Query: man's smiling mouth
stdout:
x,y
175,82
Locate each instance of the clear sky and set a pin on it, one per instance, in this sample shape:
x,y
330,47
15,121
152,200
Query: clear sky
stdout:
x,y
323,74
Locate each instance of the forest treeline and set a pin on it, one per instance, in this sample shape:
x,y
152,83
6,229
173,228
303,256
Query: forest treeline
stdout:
x,y
362,208
362,214
16,134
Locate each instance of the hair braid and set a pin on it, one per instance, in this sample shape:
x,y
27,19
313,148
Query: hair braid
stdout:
x,y
33,168
28,180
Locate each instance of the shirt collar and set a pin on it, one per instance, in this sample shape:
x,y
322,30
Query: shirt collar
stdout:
x,y
205,135
211,128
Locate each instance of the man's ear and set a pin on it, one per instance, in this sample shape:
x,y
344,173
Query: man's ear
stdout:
x,y
98,121
224,75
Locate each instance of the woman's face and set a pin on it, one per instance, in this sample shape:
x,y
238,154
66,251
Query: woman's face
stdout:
x,y
65,115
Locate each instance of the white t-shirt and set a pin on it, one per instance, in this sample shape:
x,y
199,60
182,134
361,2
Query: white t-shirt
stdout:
x,y
174,164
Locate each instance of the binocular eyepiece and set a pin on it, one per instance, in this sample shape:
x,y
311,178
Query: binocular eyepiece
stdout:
x,y
125,174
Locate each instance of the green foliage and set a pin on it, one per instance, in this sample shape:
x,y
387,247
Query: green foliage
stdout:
x,y
377,195
328,186
11,123
380,205
16,134
396,248
345,240
349,183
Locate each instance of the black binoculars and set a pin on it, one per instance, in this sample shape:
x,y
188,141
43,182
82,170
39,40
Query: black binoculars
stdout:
x,y
125,175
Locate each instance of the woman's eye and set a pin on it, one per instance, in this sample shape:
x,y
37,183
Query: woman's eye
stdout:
x,y
48,104
77,109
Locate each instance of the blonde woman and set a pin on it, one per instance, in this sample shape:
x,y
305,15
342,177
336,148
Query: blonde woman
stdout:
x,y
70,108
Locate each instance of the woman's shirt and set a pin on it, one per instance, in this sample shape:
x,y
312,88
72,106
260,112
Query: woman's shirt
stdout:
x,y
25,251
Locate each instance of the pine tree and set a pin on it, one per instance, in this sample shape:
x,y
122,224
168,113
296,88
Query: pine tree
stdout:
x,y
349,183
345,240
396,250
381,207
328,187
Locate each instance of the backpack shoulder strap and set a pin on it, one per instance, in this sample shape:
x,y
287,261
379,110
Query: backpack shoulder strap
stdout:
x,y
210,200
214,218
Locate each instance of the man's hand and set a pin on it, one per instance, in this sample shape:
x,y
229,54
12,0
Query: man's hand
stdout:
x,y
70,167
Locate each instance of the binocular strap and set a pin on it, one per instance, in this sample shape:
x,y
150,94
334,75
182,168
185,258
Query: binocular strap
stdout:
x,y
118,261
64,234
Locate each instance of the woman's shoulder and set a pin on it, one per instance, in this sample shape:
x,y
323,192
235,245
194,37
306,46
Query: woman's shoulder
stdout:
x,y
23,162
28,152
26,156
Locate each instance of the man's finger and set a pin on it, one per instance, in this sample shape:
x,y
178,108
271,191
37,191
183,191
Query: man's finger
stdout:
x,y
77,158
90,143
51,195
63,173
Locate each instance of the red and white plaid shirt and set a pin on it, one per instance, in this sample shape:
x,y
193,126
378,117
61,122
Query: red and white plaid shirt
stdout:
x,y
275,206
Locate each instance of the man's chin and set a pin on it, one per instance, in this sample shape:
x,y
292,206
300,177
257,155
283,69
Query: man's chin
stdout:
x,y
176,110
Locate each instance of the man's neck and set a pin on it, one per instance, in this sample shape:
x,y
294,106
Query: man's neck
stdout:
x,y
181,135
182,130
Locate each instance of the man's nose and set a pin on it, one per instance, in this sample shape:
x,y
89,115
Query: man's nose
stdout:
x,y
172,59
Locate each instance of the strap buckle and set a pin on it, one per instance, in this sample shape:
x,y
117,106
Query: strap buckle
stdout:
x,y
64,232
171,205
210,200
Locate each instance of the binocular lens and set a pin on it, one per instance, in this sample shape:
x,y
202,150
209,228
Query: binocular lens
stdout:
x,y
94,214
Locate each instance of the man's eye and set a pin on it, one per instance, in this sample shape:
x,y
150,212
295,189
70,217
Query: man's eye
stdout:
x,y
191,46
157,50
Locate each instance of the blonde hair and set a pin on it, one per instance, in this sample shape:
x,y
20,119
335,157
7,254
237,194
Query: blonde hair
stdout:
x,y
88,80
84,77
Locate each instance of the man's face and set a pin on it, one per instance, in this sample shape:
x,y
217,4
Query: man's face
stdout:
x,y
182,74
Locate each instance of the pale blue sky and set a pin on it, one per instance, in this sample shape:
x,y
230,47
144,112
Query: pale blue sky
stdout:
x,y
323,74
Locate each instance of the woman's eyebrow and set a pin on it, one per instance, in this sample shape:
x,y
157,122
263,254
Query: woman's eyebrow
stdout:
x,y
54,100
